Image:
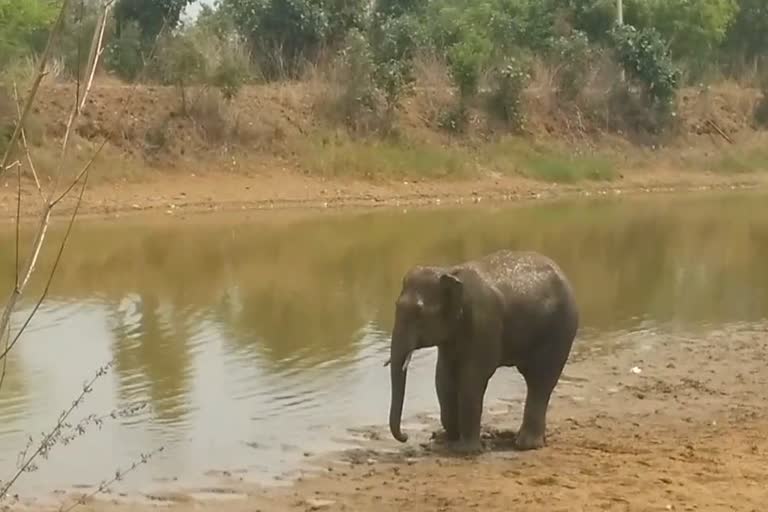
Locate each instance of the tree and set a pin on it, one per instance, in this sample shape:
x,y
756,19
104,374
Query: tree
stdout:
x,y
747,36
286,33
694,28
23,26
150,15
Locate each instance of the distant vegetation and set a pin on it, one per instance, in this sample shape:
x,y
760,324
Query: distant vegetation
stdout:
x,y
370,55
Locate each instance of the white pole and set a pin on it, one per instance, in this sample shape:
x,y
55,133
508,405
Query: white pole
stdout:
x,y
620,21
620,12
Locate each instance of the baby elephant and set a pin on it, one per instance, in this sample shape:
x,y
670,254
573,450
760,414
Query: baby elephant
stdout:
x,y
506,309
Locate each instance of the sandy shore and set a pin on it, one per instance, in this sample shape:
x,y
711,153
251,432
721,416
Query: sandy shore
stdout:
x,y
178,195
667,422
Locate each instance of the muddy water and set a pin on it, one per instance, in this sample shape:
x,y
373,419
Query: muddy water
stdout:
x,y
247,343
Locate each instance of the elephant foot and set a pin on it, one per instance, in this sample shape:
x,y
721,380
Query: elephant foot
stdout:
x,y
467,447
444,437
526,440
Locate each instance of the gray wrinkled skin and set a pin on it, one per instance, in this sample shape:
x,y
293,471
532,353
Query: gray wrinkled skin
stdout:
x,y
508,308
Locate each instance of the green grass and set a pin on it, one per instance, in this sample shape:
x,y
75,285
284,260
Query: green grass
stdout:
x,y
741,162
342,156
548,164
383,159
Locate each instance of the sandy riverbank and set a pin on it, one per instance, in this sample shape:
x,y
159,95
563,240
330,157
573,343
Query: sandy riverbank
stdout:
x,y
686,432
179,195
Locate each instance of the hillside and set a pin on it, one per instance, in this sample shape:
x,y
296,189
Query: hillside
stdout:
x,y
279,145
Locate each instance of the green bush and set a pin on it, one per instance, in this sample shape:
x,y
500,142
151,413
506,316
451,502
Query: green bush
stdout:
x,y
643,55
124,54
573,57
508,82
285,34
23,26
393,43
356,100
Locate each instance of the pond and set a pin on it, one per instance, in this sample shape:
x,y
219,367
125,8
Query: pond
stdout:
x,y
246,342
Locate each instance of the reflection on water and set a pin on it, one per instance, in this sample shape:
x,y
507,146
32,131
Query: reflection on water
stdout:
x,y
254,341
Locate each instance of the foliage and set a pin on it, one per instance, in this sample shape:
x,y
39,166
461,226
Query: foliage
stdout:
x,y
150,15
573,57
394,43
509,81
287,33
124,55
179,63
746,36
694,29
22,26
644,56
356,100
761,109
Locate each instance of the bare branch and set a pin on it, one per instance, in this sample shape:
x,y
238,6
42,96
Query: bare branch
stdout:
x,y
119,475
44,295
26,145
77,108
42,231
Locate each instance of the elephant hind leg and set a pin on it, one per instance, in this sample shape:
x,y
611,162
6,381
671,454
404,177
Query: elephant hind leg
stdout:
x,y
447,394
541,374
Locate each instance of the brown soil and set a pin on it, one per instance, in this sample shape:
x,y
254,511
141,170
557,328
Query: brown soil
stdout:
x,y
216,192
254,153
686,432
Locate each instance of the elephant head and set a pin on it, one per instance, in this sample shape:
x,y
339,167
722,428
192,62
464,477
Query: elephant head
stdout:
x,y
427,313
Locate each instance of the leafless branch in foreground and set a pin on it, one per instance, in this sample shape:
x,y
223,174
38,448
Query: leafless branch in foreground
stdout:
x,y
23,276
119,475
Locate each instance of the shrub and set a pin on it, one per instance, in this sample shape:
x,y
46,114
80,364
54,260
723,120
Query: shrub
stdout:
x,y
761,109
573,57
354,95
508,82
393,44
644,56
124,53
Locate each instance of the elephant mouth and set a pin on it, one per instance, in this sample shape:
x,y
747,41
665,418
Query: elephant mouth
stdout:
x,y
407,360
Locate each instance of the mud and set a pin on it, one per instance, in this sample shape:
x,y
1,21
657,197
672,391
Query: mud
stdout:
x,y
671,421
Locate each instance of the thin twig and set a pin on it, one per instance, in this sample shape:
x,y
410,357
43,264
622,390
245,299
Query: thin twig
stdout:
x,y
119,475
78,107
51,274
82,173
45,217
26,145
45,444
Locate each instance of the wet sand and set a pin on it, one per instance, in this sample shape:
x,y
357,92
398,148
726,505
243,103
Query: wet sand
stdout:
x,y
666,422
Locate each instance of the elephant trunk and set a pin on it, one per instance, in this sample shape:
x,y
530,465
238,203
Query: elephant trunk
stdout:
x,y
400,356
397,375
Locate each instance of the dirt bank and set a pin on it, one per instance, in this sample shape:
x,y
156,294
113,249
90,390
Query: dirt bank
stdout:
x,y
180,195
667,422
272,147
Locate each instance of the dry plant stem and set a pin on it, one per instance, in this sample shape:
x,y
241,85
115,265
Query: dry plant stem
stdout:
x,y
26,146
119,475
56,262
46,214
45,443
77,108
55,32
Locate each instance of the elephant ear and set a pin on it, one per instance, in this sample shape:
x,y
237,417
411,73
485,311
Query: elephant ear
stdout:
x,y
453,292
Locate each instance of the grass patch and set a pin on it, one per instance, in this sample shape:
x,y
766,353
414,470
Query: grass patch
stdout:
x,y
382,159
547,164
741,162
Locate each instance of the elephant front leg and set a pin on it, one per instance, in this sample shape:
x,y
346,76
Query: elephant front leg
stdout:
x,y
472,388
447,395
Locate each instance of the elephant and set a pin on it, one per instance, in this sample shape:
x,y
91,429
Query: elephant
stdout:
x,y
505,309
